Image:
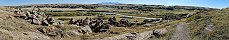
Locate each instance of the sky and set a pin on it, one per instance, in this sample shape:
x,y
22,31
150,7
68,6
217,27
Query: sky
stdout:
x,y
201,3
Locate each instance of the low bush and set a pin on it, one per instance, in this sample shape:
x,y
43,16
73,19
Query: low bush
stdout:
x,y
64,18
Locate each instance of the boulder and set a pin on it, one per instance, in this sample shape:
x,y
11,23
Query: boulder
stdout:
x,y
37,22
112,21
87,29
34,17
113,18
124,23
208,28
23,16
45,22
71,21
29,20
160,32
102,28
39,17
29,15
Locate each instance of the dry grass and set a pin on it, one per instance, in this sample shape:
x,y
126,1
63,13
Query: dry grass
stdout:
x,y
218,18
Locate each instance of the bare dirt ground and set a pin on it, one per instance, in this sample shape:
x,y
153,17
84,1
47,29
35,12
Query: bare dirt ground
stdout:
x,y
181,32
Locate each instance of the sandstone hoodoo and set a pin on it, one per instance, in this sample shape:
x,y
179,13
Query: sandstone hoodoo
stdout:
x,y
34,17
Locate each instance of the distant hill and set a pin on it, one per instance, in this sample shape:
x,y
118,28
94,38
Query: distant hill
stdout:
x,y
110,3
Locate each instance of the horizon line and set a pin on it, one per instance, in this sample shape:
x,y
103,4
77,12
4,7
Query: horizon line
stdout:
x,y
115,4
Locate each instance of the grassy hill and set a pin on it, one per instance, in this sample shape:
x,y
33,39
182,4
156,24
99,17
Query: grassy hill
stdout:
x,y
210,25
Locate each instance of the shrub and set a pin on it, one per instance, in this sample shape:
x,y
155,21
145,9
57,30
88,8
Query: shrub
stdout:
x,y
64,18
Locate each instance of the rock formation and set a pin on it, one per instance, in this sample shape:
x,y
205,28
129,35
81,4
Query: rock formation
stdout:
x,y
89,25
35,17
159,32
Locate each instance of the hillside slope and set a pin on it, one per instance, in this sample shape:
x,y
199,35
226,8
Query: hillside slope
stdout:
x,y
210,25
12,28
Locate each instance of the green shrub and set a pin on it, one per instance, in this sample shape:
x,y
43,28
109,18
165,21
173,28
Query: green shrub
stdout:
x,y
64,18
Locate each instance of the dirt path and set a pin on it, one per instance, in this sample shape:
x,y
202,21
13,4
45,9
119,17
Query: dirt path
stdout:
x,y
181,32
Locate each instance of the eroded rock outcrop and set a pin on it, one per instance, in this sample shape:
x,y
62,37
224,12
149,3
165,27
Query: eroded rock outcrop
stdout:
x,y
91,25
35,17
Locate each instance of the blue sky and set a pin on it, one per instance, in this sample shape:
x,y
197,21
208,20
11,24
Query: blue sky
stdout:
x,y
202,3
